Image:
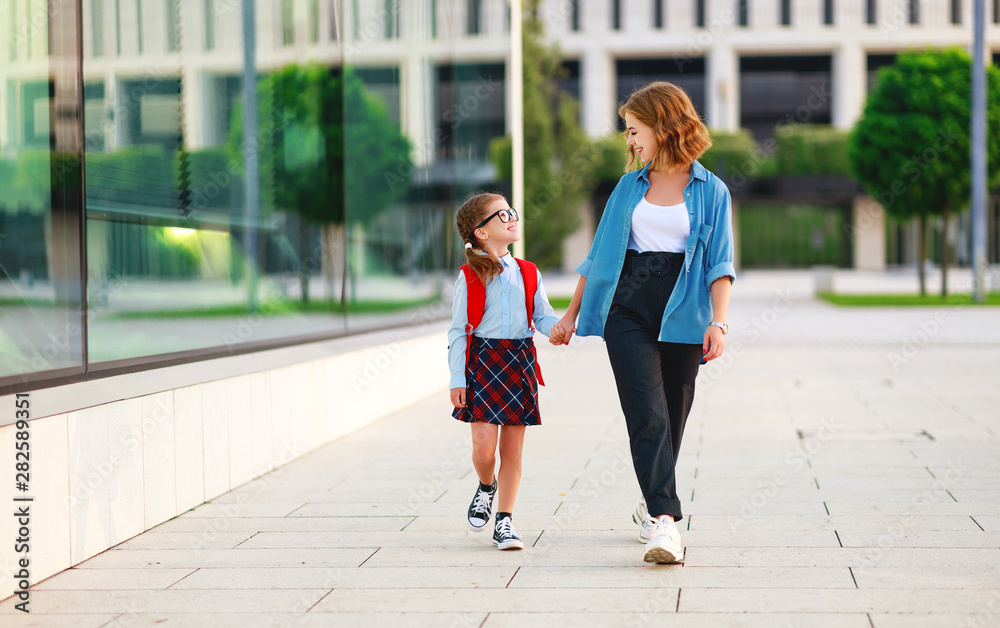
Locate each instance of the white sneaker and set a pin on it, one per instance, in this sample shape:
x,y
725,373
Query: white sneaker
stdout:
x,y
641,519
664,544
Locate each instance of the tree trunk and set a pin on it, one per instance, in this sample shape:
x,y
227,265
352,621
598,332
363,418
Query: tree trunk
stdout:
x,y
944,251
922,254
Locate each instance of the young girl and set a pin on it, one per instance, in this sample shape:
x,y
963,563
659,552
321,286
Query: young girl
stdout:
x,y
656,286
494,377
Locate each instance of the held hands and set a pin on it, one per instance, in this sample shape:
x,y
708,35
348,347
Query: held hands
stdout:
x,y
562,331
714,343
458,397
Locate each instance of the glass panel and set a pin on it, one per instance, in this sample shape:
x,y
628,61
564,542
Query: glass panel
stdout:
x,y
418,132
40,287
178,258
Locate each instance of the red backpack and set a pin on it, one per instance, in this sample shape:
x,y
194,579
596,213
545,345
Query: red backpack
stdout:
x,y
476,303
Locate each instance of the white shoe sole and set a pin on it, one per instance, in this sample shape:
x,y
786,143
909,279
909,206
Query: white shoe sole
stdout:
x,y
662,556
509,545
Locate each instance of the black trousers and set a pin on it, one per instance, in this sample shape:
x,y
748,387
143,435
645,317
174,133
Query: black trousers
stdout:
x,y
655,379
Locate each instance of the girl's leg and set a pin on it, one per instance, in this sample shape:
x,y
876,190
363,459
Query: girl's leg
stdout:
x,y
484,448
511,443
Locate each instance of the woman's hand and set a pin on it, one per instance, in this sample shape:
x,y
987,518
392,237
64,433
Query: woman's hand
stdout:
x,y
458,397
714,343
556,334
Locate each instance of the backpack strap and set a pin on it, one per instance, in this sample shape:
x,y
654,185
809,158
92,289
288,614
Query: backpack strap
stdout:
x,y
529,272
475,307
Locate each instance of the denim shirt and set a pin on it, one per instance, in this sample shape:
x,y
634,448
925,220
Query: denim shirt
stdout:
x,y
504,316
708,256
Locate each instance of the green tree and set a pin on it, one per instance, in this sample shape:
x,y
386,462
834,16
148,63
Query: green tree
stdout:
x,y
308,115
558,157
910,149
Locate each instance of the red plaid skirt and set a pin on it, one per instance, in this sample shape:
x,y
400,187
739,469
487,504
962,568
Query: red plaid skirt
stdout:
x,y
501,383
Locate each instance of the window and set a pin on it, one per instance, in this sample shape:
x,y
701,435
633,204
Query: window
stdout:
x,y
996,11
616,15
314,21
956,11
657,13
913,11
871,12
828,12
473,17
391,8
209,7
574,16
743,12
786,13
434,19
118,27
287,22
334,20
171,23
699,13
138,23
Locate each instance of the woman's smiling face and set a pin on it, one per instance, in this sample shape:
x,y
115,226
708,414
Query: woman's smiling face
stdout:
x,y
640,137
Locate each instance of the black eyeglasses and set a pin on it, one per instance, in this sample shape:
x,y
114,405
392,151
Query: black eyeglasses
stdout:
x,y
506,215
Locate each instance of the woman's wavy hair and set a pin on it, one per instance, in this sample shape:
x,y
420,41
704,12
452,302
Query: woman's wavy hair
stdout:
x,y
470,214
681,135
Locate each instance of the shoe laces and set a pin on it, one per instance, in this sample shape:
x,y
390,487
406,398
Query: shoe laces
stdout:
x,y
660,526
505,528
481,503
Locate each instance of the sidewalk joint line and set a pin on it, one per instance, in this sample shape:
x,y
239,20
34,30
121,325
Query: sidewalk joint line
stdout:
x,y
557,509
853,578
816,482
537,539
587,463
197,569
677,608
369,557
977,523
408,524
692,494
827,509
950,495
466,474
915,457
841,543
439,496
928,435
322,597
695,473
512,577
929,471
245,540
575,480
870,622
689,523
484,620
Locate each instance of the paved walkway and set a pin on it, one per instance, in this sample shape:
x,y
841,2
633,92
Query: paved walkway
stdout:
x,y
840,468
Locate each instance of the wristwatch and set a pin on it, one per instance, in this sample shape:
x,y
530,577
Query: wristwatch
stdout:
x,y
724,327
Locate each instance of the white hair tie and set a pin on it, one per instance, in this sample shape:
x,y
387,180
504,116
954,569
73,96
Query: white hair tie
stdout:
x,y
468,245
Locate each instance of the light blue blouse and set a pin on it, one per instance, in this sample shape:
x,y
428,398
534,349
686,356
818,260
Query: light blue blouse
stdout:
x,y
505,315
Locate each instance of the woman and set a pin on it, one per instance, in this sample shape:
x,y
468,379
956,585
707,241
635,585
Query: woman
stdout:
x,y
656,286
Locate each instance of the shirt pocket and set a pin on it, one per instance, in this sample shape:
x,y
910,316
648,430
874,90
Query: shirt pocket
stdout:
x,y
704,234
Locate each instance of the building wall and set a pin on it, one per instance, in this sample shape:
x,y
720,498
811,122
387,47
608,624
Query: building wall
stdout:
x,y
102,474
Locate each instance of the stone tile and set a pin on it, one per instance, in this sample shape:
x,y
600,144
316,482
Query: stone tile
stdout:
x,y
158,459
473,600
90,468
301,620
215,435
901,536
986,616
127,559
99,579
174,601
649,576
916,602
365,577
188,445
840,523
60,620
669,619
910,558
943,576
125,485
244,508
185,540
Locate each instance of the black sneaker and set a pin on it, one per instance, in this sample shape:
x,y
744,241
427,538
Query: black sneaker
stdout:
x,y
505,536
481,508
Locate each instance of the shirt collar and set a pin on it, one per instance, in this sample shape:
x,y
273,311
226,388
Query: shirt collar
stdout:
x,y
507,260
697,172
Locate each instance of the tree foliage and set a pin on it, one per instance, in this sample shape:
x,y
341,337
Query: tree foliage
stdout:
x,y
329,150
558,157
910,149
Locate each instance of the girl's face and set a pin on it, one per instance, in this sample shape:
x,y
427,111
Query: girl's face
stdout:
x,y
640,137
496,232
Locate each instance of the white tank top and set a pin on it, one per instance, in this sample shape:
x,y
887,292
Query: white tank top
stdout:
x,y
659,227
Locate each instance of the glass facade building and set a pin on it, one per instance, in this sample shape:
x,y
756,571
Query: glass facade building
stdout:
x,y
146,218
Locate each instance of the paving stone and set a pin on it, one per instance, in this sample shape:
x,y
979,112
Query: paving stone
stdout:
x,y
96,579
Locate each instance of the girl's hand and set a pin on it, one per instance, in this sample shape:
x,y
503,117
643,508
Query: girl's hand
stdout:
x,y
568,326
458,397
556,334
714,343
